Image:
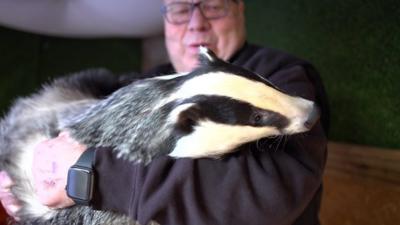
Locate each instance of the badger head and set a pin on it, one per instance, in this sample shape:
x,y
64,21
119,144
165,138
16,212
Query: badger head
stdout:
x,y
221,106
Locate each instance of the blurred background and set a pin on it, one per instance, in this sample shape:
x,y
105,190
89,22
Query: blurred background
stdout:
x,y
355,44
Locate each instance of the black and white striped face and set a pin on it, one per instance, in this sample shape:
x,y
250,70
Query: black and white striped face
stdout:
x,y
221,107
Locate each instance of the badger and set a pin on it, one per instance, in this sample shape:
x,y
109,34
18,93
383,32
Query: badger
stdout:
x,y
208,112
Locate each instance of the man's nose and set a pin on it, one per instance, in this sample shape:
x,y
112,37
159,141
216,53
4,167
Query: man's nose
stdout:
x,y
198,21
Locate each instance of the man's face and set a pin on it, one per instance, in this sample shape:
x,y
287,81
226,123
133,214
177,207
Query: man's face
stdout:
x,y
224,36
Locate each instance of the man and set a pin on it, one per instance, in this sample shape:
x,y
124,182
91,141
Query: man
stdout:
x,y
266,183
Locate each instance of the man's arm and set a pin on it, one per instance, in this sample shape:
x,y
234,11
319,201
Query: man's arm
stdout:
x,y
263,183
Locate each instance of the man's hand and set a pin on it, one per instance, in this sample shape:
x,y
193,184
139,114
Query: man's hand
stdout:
x,y
51,161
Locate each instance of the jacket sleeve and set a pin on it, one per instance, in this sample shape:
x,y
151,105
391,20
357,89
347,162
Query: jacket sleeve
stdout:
x,y
272,181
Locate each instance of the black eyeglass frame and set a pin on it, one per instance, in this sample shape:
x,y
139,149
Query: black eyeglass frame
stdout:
x,y
193,6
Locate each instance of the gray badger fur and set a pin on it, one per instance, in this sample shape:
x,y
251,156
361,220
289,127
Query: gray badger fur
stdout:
x,y
206,113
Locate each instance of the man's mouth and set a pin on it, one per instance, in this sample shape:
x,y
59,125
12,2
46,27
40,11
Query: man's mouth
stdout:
x,y
194,48
199,44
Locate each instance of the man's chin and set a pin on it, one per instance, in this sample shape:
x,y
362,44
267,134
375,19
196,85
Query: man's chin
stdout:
x,y
184,66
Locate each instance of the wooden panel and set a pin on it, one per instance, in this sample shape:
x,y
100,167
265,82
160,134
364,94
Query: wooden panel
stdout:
x,y
362,186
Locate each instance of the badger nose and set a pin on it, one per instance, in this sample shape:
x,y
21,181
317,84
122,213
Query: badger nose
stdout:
x,y
312,117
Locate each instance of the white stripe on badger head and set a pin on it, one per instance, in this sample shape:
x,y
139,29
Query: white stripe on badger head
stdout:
x,y
240,88
173,115
212,139
205,51
170,76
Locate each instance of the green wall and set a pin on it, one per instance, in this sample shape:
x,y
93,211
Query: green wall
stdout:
x,y
28,60
355,44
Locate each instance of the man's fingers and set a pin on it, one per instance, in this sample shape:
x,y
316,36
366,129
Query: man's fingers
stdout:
x,y
12,210
5,180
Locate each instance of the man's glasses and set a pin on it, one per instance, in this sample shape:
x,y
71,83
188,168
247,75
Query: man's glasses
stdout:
x,y
181,12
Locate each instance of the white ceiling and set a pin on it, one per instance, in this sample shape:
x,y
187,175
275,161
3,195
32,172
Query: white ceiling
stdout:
x,y
83,18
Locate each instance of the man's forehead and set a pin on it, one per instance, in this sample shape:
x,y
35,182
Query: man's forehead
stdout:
x,y
170,1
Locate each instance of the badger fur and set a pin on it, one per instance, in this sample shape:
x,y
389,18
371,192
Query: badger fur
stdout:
x,y
205,113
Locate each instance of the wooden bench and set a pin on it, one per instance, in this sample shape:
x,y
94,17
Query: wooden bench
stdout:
x,y
361,186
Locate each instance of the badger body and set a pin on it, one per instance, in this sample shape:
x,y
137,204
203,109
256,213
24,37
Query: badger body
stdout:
x,y
205,113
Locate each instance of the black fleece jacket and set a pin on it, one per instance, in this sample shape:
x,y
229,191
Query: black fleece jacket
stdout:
x,y
271,182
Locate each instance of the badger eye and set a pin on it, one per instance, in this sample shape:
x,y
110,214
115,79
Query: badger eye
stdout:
x,y
257,118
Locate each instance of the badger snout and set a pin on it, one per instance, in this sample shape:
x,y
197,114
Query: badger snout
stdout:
x,y
312,118
305,120
305,116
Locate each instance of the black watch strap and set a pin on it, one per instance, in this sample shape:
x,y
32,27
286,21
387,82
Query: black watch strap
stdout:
x,y
80,178
86,159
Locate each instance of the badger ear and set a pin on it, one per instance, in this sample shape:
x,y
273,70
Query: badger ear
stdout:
x,y
187,117
207,57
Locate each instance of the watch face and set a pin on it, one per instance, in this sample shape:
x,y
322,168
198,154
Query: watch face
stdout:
x,y
80,185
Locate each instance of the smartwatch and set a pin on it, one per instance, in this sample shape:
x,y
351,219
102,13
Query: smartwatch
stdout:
x,y
80,179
